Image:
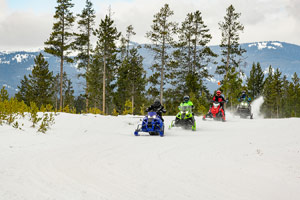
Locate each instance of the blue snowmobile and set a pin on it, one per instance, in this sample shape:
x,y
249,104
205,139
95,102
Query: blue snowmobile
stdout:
x,y
152,123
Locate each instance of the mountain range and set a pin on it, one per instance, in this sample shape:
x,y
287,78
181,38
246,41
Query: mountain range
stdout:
x,y
285,56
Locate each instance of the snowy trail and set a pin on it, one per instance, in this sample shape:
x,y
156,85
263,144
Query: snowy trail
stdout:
x,y
96,157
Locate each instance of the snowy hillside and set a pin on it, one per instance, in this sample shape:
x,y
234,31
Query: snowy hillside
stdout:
x,y
14,65
92,157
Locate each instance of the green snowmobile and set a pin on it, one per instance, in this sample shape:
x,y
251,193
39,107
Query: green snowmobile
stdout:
x,y
184,117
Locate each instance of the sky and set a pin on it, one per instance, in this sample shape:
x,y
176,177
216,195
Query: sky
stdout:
x,y
27,24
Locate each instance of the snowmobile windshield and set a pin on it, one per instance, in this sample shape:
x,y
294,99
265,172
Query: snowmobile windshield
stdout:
x,y
152,114
216,104
185,108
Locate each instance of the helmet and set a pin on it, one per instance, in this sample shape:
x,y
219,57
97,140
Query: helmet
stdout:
x,y
157,101
218,92
243,92
186,98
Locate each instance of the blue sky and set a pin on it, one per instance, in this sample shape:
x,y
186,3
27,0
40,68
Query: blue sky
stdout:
x,y
48,5
38,5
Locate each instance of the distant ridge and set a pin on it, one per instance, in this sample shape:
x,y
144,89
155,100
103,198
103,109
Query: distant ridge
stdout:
x,y
286,56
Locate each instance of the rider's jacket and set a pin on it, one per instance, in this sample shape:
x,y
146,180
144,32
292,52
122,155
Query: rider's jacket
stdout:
x,y
218,98
189,103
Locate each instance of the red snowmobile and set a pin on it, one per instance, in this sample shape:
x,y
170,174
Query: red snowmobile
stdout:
x,y
216,111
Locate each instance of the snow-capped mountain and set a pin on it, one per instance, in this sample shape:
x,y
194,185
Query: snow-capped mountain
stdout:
x,y
14,65
284,56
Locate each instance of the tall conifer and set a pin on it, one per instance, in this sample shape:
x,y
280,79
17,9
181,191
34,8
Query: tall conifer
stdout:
x,y
106,50
255,82
60,41
161,37
193,55
83,41
231,50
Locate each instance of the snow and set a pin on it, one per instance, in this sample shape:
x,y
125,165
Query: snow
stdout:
x,y
256,104
6,86
20,57
93,157
261,45
277,44
30,68
3,61
268,45
251,45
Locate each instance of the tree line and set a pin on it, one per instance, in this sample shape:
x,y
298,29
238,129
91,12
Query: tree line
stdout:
x,y
115,78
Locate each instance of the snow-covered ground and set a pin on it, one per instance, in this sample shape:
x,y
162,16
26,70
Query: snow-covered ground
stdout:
x,y
89,157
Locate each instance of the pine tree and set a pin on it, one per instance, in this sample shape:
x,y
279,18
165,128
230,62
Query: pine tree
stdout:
x,y
3,94
67,86
131,75
131,81
38,86
162,39
235,88
295,95
59,43
231,50
95,82
277,85
286,108
268,94
69,98
255,82
79,104
83,41
194,52
129,33
24,91
190,60
56,90
106,50
41,81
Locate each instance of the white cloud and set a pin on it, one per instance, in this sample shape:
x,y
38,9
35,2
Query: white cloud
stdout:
x,y
264,20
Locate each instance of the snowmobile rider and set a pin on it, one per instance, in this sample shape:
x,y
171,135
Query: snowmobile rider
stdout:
x,y
244,97
157,107
219,98
187,101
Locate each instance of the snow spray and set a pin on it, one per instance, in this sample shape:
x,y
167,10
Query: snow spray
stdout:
x,y
256,104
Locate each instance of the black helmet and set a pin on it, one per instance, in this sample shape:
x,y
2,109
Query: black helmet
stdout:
x,y
243,92
186,98
157,101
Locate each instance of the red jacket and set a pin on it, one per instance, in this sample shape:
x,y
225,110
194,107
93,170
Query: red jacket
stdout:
x,y
218,98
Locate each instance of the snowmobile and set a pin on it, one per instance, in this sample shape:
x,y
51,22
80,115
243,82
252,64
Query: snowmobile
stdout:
x,y
244,109
184,118
216,112
152,123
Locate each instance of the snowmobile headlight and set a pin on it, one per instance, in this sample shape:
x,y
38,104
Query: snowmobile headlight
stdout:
x,y
154,116
244,104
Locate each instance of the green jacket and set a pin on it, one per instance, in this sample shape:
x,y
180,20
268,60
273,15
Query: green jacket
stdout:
x,y
189,103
